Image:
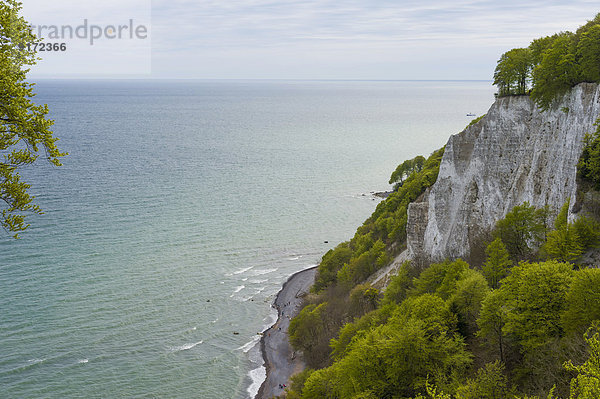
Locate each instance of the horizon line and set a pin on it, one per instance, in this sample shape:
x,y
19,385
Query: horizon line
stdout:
x,y
257,79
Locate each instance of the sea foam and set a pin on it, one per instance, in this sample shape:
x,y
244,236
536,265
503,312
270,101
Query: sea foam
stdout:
x,y
258,375
258,281
249,345
244,270
237,289
185,347
260,272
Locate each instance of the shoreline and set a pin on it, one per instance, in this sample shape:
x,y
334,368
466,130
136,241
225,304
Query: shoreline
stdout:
x,y
274,343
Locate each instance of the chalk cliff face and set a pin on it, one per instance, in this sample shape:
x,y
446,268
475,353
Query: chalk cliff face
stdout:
x,y
516,153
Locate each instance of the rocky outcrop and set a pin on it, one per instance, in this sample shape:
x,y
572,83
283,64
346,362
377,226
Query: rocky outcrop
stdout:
x,y
516,153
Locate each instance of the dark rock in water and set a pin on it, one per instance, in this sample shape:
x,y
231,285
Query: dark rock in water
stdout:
x,y
383,194
208,300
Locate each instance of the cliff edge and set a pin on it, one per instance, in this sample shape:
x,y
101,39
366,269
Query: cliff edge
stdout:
x,y
516,153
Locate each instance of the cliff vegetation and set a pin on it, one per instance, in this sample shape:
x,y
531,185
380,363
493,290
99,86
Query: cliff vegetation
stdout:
x,y
522,323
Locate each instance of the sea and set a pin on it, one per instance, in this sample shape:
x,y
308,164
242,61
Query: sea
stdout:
x,y
181,209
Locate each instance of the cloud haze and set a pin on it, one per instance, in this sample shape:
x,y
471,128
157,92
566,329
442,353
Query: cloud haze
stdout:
x,y
324,39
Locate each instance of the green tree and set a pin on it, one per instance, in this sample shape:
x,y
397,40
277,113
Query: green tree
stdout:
x,y
582,301
504,76
492,318
24,129
399,285
539,46
430,279
359,327
588,231
586,385
433,393
489,383
440,278
527,308
588,53
361,267
306,328
428,308
570,240
562,219
513,72
297,384
466,300
557,72
363,299
331,263
563,244
522,230
536,297
405,169
321,384
497,264
588,166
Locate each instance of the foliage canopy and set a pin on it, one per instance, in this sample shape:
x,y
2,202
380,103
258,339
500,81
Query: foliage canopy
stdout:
x,y
551,65
24,129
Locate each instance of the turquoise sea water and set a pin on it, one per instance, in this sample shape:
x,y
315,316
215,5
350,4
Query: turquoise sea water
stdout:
x,y
180,211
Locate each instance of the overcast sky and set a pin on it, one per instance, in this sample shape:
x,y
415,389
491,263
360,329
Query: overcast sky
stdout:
x,y
304,39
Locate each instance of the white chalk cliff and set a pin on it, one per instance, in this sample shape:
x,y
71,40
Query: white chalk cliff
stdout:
x,y
516,153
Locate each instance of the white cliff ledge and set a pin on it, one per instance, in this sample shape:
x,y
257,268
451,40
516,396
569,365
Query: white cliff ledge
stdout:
x,y
516,153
